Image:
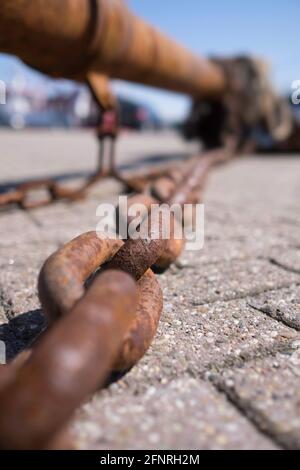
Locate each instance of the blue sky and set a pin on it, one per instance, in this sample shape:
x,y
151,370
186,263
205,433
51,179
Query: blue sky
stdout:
x,y
267,28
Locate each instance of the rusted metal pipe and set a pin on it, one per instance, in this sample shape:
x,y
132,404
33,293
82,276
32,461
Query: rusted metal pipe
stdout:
x,y
70,38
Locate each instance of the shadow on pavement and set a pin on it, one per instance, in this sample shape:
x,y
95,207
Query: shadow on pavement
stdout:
x,y
147,162
21,331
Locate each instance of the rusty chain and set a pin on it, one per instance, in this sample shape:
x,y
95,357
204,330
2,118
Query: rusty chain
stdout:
x,y
101,297
27,195
248,104
103,304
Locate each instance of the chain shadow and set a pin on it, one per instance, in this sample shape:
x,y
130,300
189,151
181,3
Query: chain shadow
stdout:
x,y
147,162
20,332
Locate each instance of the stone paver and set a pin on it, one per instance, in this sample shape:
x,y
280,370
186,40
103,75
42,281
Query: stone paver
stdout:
x,y
288,259
268,391
223,371
228,280
185,414
282,304
200,340
19,270
17,228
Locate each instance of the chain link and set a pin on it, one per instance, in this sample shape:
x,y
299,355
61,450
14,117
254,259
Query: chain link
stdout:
x,y
103,304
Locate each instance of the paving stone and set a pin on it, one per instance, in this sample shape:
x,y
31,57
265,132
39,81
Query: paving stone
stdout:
x,y
226,281
19,269
274,186
263,234
283,305
288,259
199,340
21,319
268,391
291,216
17,227
220,251
61,223
29,155
186,414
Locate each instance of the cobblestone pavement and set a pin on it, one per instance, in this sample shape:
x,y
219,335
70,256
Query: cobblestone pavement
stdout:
x,y
224,369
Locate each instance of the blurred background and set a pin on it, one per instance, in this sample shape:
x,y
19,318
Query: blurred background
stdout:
x,y
266,28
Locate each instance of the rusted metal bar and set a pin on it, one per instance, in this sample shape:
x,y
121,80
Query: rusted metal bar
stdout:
x,y
70,38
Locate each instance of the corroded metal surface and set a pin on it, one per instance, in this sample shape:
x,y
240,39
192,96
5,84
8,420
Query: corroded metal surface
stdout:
x,y
41,193
91,41
72,360
192,185
144,326
102,320
101,298
71,38
62,278
62,284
